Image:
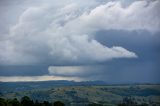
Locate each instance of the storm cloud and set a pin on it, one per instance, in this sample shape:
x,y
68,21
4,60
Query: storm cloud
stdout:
x,y
66,34
73,38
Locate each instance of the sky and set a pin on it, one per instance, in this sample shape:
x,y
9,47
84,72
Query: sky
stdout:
x,y
117,41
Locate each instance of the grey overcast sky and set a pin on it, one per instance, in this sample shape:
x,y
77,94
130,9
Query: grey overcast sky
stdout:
x,y
117,41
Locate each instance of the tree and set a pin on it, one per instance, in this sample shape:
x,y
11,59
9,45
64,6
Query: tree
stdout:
x,y
58,103
46,103
36,103
143,104
15,102
94,104
26,101
2,102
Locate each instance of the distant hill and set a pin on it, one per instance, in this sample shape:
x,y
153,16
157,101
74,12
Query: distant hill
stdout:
x,y
20,86
81,93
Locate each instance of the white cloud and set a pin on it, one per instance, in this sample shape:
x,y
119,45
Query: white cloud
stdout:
x,y
86,72
36,78
140,15
57,70
66,34
69,70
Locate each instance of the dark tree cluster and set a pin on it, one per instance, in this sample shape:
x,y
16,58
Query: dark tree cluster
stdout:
x,y
129,101
26,101
94,104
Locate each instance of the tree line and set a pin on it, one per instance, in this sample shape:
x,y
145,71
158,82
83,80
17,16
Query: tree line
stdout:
x,y
26,101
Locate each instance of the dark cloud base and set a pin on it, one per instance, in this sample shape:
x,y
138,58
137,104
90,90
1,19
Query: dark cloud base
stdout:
x,y
23,70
